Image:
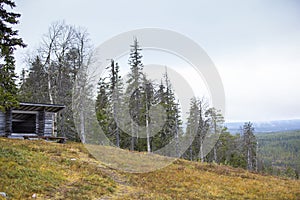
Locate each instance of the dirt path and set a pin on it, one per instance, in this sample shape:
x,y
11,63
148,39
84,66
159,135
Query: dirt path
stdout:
x,y
123,186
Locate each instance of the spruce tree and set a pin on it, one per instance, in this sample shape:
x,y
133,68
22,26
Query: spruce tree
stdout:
x,y
34,87
133,93
9,40
216,127
160,139
102,106
148,99
197,127
250,143
115,91
173,121
191,129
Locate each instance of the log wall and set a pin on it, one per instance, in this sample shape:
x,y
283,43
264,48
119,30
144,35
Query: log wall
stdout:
x,y
2,123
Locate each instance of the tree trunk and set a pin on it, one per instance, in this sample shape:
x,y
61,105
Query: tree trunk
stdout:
x,y
82,127
201,156
215,148
115,117
148,134
147,124
132,136
191,147
249,159
215,154
177,137
256,160
54,124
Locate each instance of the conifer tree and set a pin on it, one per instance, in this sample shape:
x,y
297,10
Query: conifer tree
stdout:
x,y
191,129
9,40
216,127
198,126
102,106
250,143
115,91
135,85
148,97
34,87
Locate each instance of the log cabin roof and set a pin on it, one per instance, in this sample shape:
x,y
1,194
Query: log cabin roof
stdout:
x,y
39,107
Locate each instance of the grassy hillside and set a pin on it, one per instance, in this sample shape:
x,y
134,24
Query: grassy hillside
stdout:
x,y
66,171
50,170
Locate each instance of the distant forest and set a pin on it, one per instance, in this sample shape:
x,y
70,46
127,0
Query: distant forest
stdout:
x,y
279,153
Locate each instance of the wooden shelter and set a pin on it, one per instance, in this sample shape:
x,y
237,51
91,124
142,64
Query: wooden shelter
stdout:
x,y
30,120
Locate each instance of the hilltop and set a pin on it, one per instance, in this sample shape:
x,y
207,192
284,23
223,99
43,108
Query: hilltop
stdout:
x,y
67,171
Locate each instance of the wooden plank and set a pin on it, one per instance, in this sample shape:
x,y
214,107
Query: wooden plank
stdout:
x,y
8,122
59,139
2,124
22,134
41,122
50,117
24,112
48,131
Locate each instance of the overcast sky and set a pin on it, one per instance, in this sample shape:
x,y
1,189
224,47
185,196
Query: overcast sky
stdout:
x,y
255,45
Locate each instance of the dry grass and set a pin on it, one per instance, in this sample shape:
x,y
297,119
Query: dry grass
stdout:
x,y
187,180
49,170
129,161
56,171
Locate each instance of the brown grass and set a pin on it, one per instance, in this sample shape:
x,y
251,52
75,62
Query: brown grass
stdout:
x,y
68,171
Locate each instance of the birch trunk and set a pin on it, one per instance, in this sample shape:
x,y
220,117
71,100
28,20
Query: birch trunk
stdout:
x,y
132,136
82,127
